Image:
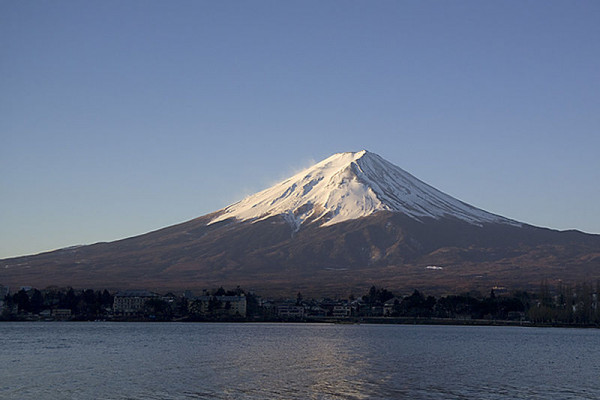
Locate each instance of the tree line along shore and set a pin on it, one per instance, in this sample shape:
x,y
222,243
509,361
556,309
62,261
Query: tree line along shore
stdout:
x,y
559,305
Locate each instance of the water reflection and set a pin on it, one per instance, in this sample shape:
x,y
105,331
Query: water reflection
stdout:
x,y
295,361
292,361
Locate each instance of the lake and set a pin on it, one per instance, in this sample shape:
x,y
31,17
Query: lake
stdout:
x,y
106,360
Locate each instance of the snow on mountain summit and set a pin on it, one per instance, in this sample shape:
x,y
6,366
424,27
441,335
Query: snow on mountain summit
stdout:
x,y
347,186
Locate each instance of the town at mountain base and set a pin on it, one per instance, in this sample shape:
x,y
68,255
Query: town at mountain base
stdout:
x,y
575,306
349,222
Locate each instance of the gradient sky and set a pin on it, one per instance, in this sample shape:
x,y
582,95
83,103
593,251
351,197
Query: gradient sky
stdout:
x,y
121,117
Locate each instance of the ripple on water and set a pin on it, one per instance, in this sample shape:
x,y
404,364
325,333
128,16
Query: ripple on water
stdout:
x,y
295,361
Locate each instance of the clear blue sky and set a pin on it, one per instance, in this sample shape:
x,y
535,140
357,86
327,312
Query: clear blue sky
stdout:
x,y
121,117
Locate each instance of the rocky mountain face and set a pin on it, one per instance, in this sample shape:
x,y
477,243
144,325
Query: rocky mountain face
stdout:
x,y
348,222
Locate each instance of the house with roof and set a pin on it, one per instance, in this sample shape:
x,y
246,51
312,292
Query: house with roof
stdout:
x,y
220,305
132,302
388,306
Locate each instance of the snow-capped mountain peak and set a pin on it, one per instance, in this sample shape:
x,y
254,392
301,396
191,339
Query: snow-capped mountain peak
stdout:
x,y
351,185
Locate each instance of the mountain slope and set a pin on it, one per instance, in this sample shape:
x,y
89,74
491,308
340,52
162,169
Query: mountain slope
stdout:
x,y
346,223
347,186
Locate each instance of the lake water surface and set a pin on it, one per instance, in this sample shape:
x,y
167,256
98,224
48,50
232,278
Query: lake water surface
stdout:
x,y
103,360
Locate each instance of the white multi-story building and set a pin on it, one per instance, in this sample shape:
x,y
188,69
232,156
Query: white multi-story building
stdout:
x,y
232,305
131,302
341,311
290,311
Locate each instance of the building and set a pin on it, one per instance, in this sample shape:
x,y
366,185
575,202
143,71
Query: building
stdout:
x,y
341,311
315,311
388,306
61,313
132,302
215,305
290,311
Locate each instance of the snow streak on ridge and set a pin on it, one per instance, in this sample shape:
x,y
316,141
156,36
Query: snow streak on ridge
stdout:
x,y
347,186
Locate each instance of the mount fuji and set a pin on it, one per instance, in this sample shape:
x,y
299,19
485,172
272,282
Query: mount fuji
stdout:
x,y
348,222
348,186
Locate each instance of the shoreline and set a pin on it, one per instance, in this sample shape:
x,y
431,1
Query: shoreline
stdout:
x,y
337,321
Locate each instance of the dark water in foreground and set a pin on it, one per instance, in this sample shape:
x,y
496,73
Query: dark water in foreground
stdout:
x,y
295,361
